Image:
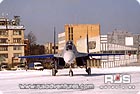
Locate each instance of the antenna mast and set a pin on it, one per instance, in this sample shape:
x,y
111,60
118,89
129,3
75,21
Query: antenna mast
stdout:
x,y
54,42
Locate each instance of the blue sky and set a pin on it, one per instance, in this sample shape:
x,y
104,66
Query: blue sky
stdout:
x,y
40,16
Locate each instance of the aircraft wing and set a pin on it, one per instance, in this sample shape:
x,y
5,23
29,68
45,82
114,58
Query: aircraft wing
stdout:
x,y
81,54
102,54
42,56
95,54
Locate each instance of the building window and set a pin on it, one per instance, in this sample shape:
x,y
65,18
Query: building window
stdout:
x,y
3,32
71,30
72,37
17,32
69,37
16,40
3,48
70,33
4,55
17,48
3,40
17,54
2,22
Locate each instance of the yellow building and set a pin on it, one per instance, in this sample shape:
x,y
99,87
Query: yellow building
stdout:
x,y
75,32
11,41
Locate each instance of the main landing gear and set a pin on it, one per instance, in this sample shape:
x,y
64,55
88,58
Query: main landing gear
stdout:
x,y
54,69
70,71
88,70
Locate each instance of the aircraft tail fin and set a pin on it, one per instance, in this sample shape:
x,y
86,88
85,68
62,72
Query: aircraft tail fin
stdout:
x,y
87,42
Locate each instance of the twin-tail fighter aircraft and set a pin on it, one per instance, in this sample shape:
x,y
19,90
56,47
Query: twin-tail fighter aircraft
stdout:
x,y
68,56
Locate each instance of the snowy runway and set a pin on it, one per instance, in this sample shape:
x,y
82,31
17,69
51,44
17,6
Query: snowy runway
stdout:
x,y
10,80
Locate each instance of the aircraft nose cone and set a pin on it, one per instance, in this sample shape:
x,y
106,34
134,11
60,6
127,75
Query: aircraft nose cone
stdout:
x,y
68,57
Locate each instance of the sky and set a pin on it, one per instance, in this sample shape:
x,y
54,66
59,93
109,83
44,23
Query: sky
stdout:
x,y
41,16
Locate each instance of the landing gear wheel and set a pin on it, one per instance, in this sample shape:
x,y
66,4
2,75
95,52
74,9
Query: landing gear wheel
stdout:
x,y
88,71
54,71
70,73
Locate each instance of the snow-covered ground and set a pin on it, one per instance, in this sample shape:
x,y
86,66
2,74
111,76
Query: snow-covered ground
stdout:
x,y
11,80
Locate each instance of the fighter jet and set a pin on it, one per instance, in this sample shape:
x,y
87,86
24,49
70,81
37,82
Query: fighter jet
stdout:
x,y
68,56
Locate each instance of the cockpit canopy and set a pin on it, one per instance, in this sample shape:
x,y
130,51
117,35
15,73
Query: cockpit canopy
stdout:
x,y
69,45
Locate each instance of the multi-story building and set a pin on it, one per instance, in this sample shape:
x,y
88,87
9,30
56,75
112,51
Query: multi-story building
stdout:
x,y
107,46
11,40
119,36
61,42
75,32
49,48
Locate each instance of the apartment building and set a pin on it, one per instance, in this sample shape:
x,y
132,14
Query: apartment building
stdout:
x,y
11,40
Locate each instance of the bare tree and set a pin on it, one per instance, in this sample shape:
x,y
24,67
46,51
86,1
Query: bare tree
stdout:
x,y
32,38
29,44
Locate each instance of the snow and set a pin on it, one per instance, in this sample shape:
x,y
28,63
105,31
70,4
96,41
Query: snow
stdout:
x,y
10,80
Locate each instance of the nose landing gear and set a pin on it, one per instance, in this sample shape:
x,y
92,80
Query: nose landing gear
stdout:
x,y
70,71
